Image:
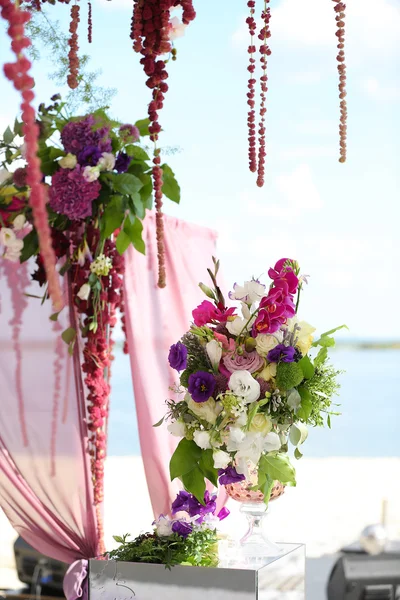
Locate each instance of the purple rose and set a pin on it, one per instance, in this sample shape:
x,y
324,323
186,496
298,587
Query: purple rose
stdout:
x,y
182,528
282,353
230,475
201,386
89,156
122,163
248,361
177,356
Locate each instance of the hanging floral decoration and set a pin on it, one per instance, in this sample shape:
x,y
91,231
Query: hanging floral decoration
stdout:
x,y
99,185
340,23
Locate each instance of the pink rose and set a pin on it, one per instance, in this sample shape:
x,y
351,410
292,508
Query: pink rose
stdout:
x,y
248,361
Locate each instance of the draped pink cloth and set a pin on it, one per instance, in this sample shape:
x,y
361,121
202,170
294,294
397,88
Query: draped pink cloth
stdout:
x,y
45,481
157,318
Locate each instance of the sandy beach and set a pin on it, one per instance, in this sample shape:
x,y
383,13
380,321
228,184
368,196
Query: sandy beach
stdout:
x,y
334,500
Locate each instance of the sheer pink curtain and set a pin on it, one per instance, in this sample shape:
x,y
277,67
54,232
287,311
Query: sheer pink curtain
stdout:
x,y
45,482
155,320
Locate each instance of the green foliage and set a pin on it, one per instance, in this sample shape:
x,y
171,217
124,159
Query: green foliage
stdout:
x,y
170,186
31,246
288,375
143,126
278,467
305,409
197,359
321,389
199,549
192,465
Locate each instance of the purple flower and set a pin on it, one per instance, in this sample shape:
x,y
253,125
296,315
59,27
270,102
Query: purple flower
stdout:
x,y
89,156
230,475
129,131
177,356
282,353
223,513
71,195
122,163
78,135
182,528
248,361
185,502
201,386
181,502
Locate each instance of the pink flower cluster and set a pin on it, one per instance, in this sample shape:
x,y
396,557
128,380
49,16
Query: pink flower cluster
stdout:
x,y
207,313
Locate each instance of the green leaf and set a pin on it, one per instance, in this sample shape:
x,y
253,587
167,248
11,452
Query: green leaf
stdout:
x,y
134,232
55,153
206,464
124,183
18,128
321,356
138,206
54,316
327,333
137,153
279,468
298,434
118,539
184,459
266,487
146,194
69,335
305,408
194,483
112,217
328,421
8,136
288,375
297,454
326,341
123,242
307,367
160,422
170,186
143,126
31,246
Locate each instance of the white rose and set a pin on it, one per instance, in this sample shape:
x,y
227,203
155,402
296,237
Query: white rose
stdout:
x,y
236,437
221,459
7,236
208,411
91,174
214,351
106,162
163,526
4,175
272,442
68,162
84,292
202,439
19,222
250,292
243,384
265,343
304,335
177,429
268,372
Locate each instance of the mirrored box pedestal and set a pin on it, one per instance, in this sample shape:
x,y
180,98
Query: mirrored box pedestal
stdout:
x,y
281,578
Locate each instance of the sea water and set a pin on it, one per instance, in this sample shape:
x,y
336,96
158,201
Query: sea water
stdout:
x,y
369,404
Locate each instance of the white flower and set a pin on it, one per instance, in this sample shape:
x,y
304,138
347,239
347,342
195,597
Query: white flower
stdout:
x,y
272,442
303,335
261,423
22,149
177,29
265,343
177,429
249,453
268,372
202,439
106,162
84,292
91,174
7,236
243,384
236,437
241,421
13,249
236,326
163,526
293,399
250,292
4,175
208,411
19,222
221,459
68,162
101,265
214,351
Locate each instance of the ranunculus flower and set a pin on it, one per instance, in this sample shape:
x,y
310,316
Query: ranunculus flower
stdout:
x,y
207,313
248,361
230,475
304,334
283,272
177,429
106,162
221,459
245,386
68,162
19,222
208,411
250,292
269,372
261,423
177,356
282,353
182,528
201,386
84,292
91,174
265,342
7,236
214,352
202,439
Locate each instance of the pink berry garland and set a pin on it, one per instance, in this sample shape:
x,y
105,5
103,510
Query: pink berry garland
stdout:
x,y
340,16
265,52
18,73
251,115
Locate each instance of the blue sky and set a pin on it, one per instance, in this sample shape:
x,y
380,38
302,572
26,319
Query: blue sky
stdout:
x,y
340,221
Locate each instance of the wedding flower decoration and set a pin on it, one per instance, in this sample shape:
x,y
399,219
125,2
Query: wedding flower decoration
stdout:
x,y
190,538
252,385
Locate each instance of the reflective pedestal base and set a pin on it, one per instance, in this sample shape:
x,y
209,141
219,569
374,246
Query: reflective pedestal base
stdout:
x,y
269,578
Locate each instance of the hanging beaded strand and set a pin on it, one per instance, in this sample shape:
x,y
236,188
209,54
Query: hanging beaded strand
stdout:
x,y
340,8
73,52
251,115
90,23
265,52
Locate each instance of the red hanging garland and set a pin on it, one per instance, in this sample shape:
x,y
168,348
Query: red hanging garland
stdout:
x,y
73,44
90,23
264,51
340,23
251,115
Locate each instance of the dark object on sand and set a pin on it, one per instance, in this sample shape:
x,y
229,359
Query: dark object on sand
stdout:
x,y
44,575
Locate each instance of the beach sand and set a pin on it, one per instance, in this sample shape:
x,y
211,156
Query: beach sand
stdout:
x,y
334,500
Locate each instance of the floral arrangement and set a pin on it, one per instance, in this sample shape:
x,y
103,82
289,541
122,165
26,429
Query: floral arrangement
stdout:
x,y
188,540
98,181
257,160
252,382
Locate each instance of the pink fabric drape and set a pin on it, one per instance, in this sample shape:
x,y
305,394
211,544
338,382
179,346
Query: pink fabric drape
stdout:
x,y
45,481
155,320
